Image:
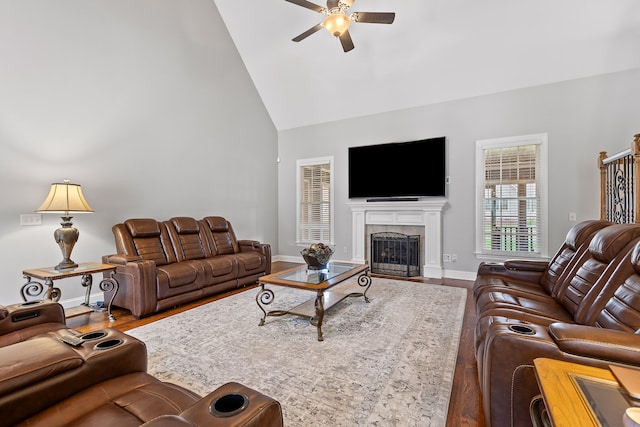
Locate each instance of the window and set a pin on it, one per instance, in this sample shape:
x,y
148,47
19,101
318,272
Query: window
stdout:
x,y
511,205
315,200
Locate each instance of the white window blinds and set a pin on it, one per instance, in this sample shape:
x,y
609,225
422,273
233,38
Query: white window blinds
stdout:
x,y
511,208
315,197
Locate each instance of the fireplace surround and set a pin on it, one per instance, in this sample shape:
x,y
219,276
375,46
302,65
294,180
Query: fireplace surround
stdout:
x,y
422,213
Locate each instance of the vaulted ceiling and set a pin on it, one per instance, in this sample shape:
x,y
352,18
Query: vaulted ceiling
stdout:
x,y
435,51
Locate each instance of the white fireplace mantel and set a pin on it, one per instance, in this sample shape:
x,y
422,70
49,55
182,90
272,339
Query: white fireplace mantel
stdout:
x,y
423,213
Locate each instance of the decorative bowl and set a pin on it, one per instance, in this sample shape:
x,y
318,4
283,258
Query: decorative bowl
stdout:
x,y
317,256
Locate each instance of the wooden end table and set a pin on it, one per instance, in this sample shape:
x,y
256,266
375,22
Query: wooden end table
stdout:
x,y
318,281
580,395
34,289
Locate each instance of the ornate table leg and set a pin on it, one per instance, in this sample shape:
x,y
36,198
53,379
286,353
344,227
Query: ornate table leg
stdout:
x,y
86,282
106,285
54,294
31,289
264,297
320,313
363,280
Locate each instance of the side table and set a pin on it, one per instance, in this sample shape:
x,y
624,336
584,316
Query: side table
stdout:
x,y
34,288
579,395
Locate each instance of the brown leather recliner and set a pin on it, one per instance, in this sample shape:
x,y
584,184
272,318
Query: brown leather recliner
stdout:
x,y
538,277
164,264
102,380
597,328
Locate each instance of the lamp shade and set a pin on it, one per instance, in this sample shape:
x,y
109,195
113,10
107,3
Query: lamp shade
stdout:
x,y
64,198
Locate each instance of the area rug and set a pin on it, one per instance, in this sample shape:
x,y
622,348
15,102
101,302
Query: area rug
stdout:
x,y
389,362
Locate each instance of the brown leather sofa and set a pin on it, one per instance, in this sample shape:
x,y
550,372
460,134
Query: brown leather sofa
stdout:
x,y
164,264
103,381
583,307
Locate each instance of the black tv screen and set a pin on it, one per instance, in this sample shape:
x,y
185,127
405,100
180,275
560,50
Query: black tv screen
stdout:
x,y
405,169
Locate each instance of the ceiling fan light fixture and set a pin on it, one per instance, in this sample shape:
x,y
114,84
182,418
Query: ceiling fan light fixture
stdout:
x,y
336,23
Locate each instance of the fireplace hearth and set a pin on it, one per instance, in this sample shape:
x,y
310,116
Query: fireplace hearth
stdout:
x,y
395,254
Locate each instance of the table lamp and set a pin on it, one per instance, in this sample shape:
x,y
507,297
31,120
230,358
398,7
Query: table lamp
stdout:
x,y
65,198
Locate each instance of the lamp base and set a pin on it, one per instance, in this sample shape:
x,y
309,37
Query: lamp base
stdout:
x,y
66,237
65,265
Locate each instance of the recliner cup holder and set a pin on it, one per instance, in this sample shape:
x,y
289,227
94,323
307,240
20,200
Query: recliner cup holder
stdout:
x,y
94,335
107,344
522,329
228,405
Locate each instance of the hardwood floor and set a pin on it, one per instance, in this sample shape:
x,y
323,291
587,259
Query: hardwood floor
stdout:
x,y
465,408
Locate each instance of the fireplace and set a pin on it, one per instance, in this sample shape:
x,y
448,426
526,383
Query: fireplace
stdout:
x,y
395,254
426,214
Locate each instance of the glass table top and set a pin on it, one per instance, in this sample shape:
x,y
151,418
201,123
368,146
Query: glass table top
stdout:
x,y
605,399
304,275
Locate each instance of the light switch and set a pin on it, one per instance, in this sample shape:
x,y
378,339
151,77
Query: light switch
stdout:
x,y
572,216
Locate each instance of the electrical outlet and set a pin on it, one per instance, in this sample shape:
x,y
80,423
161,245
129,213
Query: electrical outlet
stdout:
x,y
446,257
454,257
30,219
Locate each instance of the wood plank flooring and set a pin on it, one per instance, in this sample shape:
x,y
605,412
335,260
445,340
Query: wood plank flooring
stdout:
x,y
465,408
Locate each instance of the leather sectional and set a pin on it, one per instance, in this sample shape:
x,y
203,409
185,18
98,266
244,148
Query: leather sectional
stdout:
x,y
161,264
103,380
582,306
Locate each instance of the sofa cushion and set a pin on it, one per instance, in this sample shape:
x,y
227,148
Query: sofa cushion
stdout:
x,y
143,227
32,361
223,236
187,239
125,401
175,278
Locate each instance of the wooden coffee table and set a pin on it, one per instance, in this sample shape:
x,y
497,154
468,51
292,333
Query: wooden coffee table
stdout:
x,y
318,281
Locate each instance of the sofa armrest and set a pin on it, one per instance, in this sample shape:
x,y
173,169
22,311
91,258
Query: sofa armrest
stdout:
x,y
20,317
520,270
263,248
120,259
249,243
526,265
260,410
598,343
136,278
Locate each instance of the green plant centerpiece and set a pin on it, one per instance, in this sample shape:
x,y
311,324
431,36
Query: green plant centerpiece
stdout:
x,y
317,256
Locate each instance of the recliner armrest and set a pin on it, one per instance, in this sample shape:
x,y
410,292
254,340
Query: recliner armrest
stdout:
x,y
263,248
526,265
120,259
249,243
26,316
599,343
261,410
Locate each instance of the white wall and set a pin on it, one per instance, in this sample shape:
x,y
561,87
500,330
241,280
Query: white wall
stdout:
x,y
582,117
146,104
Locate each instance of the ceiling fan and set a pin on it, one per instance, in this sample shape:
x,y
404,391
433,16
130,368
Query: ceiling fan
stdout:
x,y
337,22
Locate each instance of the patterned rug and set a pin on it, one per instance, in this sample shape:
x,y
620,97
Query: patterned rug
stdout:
x,y
387,363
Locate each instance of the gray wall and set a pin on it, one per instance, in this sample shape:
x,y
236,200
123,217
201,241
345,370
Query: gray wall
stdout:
x,y
582,117
145,103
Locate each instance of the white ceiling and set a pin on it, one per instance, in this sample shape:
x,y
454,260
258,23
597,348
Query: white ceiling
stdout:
x,y
435,51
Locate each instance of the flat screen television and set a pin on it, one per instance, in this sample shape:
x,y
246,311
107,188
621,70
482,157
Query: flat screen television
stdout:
x,y
398,170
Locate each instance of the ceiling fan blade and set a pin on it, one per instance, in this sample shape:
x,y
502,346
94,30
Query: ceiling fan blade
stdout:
x,y
345,40
374,17
307,33
307,4
332,3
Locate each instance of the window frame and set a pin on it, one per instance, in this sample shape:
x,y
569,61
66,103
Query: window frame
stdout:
x,y
541,140
316,161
